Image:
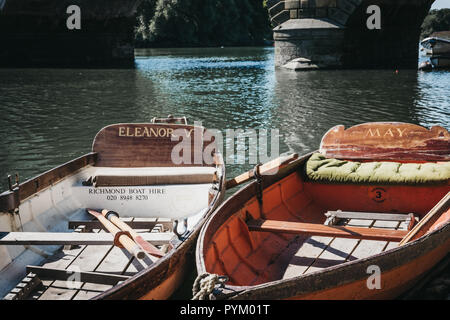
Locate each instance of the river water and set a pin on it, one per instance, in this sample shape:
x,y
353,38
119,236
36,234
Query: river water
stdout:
x,y
50,116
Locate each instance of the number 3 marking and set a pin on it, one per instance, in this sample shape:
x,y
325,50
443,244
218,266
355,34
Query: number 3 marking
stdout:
x,y
378,195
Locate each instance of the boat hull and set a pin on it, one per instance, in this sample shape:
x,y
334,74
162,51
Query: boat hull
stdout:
x,y
400,267
49,201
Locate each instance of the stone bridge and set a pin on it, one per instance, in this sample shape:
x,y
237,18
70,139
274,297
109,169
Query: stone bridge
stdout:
x,y
334,33
329,33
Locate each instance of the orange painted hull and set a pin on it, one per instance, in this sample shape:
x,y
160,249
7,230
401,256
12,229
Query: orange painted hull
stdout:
x,y
393,282
167,287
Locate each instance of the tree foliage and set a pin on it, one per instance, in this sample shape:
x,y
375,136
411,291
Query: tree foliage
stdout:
x,y
437,20
201,23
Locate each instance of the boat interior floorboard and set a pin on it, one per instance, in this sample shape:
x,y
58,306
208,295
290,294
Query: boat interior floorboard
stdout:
x,y
318,252
103,259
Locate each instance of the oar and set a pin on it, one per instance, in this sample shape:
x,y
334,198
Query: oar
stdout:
x,y
430,217
121,238
145,245
268,168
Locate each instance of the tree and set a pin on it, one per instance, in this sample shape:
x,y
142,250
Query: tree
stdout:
x,y
437,20
201,23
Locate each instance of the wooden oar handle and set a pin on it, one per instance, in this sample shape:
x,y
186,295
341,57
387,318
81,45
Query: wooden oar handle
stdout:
x,y
426,222
129,245
114,218
269,168
145,245
121,239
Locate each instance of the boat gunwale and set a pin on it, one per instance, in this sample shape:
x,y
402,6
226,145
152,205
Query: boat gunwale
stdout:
x,y
49,178
412,250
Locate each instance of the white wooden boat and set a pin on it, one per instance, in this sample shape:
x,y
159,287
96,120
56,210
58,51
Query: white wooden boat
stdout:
x,y
437,44
130,171
438,47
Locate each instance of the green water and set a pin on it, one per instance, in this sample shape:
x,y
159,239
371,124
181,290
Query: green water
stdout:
x,y
50,116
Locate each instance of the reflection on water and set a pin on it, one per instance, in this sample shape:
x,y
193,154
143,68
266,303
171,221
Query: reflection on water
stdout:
x,y
49,116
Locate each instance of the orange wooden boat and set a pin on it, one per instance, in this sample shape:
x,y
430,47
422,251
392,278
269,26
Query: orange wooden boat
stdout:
x,y
52,247
366,218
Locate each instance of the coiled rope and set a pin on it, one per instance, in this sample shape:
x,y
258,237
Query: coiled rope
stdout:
x,y
205,284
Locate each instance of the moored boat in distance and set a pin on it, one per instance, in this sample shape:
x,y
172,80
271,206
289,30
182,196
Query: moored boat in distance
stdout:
x,y
365,217
128,215
437,46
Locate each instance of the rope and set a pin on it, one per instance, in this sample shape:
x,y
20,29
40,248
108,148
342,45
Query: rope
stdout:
x,y
205,284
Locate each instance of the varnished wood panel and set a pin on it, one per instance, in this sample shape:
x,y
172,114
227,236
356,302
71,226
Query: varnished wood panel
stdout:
x,y
148,145
326,231
387,141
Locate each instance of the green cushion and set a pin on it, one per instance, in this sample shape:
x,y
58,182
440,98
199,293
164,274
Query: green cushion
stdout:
x,y
320,168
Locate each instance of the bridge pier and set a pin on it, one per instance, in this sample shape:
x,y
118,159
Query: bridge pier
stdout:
x,y
334,33
35,34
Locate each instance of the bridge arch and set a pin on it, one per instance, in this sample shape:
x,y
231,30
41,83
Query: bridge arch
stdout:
x,y
333,33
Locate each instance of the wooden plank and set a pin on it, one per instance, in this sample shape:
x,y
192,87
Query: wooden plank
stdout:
x,y
86,261
153,180
367,248
140,225
146,144
386,141
64,275
114,260
306,256
339,250
322,230
395,244
369,216
58,290
58,293
73,238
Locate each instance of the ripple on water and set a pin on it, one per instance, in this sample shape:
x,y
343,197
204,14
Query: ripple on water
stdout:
x,y
51,115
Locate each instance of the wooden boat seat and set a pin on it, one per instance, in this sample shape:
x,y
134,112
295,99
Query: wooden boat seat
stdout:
x,y
334,216
323,169
163,224
46,273
152,176
74,238
110,177
323,230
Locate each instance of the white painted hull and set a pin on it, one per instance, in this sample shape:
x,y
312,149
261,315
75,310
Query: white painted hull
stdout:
x,y
51,209
436,46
